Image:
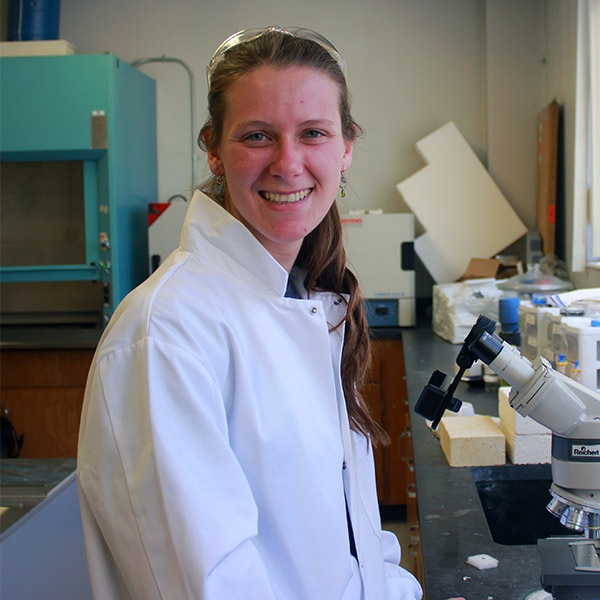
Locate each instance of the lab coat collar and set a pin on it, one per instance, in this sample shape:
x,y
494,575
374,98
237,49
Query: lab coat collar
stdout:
x,y
207,219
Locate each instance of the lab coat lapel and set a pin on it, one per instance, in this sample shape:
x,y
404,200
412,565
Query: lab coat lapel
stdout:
x,y
208,221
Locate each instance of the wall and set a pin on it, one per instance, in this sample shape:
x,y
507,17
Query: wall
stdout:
x,y
413,65
515,95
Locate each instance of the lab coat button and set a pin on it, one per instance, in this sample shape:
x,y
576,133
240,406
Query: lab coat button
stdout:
x,y
314,310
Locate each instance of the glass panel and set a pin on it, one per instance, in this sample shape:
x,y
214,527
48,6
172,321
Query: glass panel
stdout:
x,y
42,213
35,303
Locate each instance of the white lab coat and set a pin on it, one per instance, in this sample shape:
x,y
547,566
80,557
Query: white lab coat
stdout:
x,y
215,448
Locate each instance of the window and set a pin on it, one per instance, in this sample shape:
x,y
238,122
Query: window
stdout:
x,y
586,192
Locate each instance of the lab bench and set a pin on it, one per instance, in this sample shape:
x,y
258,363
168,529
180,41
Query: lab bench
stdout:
x,y
41,539
452,523
444,514
44,371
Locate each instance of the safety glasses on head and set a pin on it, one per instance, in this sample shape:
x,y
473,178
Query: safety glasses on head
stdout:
x,y
251,34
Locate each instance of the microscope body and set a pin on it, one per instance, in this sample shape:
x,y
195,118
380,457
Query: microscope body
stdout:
x,y
572,413
568,409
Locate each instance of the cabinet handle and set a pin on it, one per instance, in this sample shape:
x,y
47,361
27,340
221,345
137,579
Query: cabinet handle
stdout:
x,y
414,534
410,462
411,490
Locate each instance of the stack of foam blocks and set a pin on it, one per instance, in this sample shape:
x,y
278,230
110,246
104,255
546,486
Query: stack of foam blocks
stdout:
x,y
527,442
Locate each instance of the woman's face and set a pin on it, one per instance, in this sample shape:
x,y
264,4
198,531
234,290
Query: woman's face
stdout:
x,y
282,152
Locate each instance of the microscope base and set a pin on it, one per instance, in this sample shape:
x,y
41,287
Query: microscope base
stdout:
x,y
570,567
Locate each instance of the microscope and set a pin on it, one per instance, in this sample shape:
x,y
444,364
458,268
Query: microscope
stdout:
x,y
570,565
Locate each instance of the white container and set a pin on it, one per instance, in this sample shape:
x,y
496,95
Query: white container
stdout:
x,y
582,343
545,315
553,339
555,336
533,327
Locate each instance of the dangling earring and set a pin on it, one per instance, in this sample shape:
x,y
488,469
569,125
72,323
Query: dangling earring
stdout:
x,y
343,182
219,188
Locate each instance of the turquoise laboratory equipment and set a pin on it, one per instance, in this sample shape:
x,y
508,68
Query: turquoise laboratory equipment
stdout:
x,y
89,120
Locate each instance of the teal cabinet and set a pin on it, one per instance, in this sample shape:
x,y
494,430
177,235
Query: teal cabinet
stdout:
x,y
98,113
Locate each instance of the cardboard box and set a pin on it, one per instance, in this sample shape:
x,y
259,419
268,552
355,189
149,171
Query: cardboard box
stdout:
x,y
481,268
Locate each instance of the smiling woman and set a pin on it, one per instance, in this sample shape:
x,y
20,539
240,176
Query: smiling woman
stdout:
x,y
281,152
225,450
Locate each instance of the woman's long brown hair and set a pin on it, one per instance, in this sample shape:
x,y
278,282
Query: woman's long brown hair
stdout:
x,y
322,255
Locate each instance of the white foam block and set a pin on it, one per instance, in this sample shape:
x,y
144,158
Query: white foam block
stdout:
x,y
482,561
529,449
474,441
452,196
511,422
37,48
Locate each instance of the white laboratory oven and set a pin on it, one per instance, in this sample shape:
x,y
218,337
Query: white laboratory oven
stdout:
x,y
380,252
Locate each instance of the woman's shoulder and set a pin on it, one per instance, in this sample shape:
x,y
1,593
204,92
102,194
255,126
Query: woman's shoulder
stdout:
x,y
184,301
